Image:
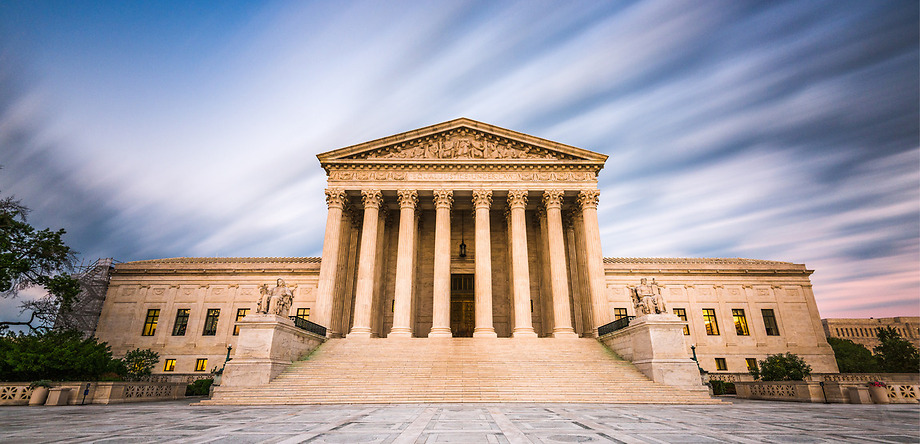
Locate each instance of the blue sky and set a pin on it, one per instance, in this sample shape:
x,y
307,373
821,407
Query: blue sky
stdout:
x,y
770,130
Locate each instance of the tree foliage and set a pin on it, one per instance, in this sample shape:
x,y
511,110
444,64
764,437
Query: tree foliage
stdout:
x,y
139,363
782,367
54,355
895,354
852,357
31,257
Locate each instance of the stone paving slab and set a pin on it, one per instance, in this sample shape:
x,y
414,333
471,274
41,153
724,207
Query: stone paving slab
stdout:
x,y
741,422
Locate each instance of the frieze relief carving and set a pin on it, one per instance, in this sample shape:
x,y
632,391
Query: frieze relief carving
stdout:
x,y
461,145
543,176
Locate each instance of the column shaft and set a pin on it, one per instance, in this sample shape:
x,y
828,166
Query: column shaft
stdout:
x,y
364,291
322,311
523,324
482,200
405,263
594,258
440,322
562,314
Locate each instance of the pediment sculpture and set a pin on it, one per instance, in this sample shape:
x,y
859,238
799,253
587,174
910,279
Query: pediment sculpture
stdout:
x,y
460,147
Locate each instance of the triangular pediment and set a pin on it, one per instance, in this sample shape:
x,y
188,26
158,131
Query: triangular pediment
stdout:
x,y
461,140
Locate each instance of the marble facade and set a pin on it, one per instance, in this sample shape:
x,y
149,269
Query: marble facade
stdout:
x,y
464,229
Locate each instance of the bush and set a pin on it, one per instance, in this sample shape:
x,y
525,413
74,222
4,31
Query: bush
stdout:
x,y
722,388
200,387
852,357
53,355
138,363
782,367
895,354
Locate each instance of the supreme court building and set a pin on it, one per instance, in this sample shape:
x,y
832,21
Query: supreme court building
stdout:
x,y
463,229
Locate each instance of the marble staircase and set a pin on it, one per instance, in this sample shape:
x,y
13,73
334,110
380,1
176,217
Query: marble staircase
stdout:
x,y
421,370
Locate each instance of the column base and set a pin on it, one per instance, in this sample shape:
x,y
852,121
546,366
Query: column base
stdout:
x,y
524,333
360,332
566,333
440,332
484,333
400,333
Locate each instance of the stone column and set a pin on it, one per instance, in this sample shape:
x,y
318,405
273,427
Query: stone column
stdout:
x,y
364,291
440,322
597,286
568,226
322,312
562,314
523,324
405,263
482,201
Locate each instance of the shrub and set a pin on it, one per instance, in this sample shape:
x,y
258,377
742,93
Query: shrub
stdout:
x,y
200,387
782,367
895,354
722,388
138,363
53,355
852,357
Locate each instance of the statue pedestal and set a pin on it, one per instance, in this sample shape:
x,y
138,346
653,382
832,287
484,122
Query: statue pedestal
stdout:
x,y
267,345
655,345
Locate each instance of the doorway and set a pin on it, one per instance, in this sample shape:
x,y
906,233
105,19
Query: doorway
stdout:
x,y
462,305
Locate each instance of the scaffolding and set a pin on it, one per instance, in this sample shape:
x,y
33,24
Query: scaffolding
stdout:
x,y
84,313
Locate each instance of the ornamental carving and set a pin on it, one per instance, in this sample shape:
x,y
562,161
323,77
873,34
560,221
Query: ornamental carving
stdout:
x,y
407,198
462,144
482,199
588,198
371,198
552,199
443,198
517,198
335,198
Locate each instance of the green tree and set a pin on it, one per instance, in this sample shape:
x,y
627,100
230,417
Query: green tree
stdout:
x,y
782,367
895,354
30,257
54,355
139,363
852,357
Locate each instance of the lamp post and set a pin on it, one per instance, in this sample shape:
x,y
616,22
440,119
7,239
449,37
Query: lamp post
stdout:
x,y
693,349
229,347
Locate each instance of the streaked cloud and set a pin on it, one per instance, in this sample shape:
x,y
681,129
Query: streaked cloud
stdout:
x,y
776,130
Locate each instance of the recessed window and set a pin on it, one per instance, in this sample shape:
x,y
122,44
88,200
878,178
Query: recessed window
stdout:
x,y
751,363
303,313
240,314
769,322
201,364
709,318
150,323
720,364
181,322
210,322
619,313
682,314
170,365
741,326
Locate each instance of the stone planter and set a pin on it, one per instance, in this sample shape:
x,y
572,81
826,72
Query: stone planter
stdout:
x,y
39,395
879,395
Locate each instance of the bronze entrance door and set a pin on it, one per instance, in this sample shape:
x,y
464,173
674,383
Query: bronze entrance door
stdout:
x,y
462,307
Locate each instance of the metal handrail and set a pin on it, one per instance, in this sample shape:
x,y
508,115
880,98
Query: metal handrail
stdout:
x,y
311,327
615,325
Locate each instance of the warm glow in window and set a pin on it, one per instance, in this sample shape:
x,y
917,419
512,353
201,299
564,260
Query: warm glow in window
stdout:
x,y
741,326
751,363
304,313
181,321
682,314
150,324
709,318
201,365
240,314
170,365
720,364
210,322
619,313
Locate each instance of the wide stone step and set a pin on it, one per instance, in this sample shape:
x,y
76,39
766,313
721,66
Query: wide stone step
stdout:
x,y
459,370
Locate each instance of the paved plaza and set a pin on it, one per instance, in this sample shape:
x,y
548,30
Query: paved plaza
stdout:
x,y
743,421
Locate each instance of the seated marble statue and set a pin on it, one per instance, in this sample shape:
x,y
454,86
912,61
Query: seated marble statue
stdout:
x,y
647,298
277,300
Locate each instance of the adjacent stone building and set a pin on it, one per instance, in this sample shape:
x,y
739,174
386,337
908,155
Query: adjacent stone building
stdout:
x,y
864,331
464,229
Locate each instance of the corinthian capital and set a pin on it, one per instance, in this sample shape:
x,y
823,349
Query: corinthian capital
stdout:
x,y
588,199
407,198
335,198
517,198
552,199
371,198
443,198
482,199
